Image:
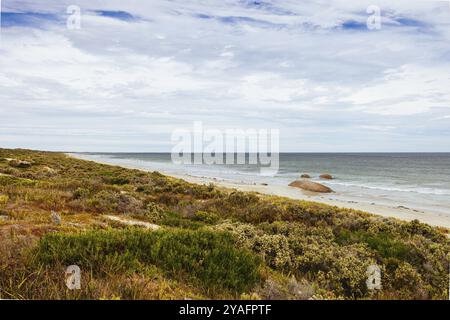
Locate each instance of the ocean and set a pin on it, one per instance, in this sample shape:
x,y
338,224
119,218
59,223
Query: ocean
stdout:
x,y
419,181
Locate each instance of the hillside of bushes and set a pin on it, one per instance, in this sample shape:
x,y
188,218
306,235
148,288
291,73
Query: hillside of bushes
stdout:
x,y
211,243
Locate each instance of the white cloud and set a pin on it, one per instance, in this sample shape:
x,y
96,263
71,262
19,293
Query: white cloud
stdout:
x,y
283,64
270,87
406,90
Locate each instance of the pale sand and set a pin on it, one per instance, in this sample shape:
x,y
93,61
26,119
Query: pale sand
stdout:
x,y
132,222
402,213
434,219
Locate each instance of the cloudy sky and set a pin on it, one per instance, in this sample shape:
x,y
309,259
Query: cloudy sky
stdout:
x,y
137,70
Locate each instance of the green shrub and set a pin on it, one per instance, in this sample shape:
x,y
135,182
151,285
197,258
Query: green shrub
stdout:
x,y
210,259
9,180
20,163
115,176
81,193
383,244
118,180
416,227
3,199
341,270
274,249
172,219
405,281
153,211
242,199
107,201
207,217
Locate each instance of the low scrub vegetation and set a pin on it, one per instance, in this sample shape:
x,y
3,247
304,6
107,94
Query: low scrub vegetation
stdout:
x,y
212,242
209,259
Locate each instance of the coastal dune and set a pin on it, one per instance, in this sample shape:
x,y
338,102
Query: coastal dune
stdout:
x,y
399,212
107,217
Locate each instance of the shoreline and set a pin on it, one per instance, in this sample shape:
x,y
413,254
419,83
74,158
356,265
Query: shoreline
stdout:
x,y
401,212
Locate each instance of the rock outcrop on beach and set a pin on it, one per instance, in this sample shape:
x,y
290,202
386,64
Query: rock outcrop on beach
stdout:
x,y
326,176
305,176
310,186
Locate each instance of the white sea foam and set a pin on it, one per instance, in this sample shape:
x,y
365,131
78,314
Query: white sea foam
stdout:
x,y
414,189
416,181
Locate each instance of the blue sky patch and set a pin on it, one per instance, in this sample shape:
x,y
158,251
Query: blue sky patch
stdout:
x,y
410,22
121,15
27,19
354,25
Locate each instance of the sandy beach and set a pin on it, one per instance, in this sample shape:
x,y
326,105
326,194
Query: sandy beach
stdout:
x,y
403,213
400,212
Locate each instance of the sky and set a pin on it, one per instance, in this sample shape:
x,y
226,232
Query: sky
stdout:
x,y
135,71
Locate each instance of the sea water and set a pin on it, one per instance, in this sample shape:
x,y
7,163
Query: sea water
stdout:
x,y
419,181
